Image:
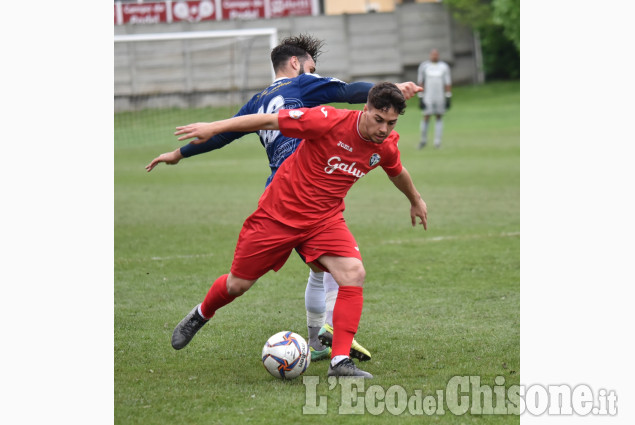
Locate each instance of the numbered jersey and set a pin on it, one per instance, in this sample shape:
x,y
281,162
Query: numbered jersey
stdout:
x,y
311,185
304,91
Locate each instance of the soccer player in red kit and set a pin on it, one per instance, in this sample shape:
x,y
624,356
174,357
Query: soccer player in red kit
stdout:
x,y
303,207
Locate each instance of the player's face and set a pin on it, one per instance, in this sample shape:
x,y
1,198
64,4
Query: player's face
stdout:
x,y
376,124
434,55
307,65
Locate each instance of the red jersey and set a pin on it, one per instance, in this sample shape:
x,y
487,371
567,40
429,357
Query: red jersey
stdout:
x,y
310,185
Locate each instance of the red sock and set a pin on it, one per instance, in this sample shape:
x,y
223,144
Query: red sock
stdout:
x,y
346,315
216,297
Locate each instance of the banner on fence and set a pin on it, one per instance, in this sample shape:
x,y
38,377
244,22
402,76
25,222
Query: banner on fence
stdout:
x,y
210,10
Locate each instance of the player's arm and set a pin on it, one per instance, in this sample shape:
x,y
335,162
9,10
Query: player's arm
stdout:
x,y
418,207
188,150
199,132
353,92
320,90
447,79
212,142
421,78
421,74
171,158
448,87
358,92
409,89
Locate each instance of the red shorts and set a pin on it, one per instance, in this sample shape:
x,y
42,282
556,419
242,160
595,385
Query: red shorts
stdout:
x,y
265,244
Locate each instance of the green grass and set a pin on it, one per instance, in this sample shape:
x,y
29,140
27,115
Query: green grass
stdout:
x,y
438,304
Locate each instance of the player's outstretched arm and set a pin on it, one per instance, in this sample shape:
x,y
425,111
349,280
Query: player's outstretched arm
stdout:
x,y
409,89
200,132
418,207
171,158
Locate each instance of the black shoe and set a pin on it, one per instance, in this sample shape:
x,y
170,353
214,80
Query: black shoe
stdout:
x,y
347,368
185,331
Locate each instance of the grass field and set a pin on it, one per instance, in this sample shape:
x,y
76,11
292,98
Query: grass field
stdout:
x,y
438,303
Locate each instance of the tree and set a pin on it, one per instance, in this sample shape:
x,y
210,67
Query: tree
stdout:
x,y
498,23
507,14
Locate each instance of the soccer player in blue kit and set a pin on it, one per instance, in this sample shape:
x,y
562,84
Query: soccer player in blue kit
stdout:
x,y
295,86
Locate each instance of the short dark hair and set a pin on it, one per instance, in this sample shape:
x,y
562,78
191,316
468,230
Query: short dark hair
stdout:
x,y
300,46
385,95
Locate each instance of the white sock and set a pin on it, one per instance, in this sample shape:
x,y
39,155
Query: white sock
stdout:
x,y
424,131
335,360
331,288
314,299
201,313
438,132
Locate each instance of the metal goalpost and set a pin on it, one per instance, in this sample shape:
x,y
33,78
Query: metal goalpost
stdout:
x,y
176,65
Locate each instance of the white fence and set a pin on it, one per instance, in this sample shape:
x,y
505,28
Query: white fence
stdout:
x,y
366,47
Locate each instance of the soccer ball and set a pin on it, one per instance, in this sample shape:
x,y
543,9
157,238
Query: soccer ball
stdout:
x,y
286,355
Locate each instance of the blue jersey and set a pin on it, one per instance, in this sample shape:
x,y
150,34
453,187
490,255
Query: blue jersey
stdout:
x,y
303,91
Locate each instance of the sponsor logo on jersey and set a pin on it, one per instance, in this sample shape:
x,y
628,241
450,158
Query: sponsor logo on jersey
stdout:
x,y
345,146
374,159
335,163
295,114
326,114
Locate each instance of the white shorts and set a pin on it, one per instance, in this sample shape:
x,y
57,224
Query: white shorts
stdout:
x,y
434,107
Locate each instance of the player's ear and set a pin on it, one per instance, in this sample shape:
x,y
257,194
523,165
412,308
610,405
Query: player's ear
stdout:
x,y
294,62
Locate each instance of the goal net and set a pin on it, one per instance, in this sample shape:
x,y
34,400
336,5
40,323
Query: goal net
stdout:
x,y
167,78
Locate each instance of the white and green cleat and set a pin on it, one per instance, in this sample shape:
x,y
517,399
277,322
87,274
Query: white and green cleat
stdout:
x,y
320,354
357,351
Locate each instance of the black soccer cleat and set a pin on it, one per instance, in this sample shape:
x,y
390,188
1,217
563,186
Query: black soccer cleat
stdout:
x,y
187,328
347,368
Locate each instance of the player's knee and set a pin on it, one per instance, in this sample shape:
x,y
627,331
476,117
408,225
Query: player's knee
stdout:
x,y
360,276
355,275
237,286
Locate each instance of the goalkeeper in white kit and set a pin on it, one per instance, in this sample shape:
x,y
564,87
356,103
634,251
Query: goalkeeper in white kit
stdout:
x,y
435,78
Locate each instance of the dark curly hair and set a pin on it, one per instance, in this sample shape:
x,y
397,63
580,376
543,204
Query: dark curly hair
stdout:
x,y
299,46
385,95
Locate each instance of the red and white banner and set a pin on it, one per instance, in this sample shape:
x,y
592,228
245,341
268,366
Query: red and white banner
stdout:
x,y
243,9
193,11
280,8
208,10
143,13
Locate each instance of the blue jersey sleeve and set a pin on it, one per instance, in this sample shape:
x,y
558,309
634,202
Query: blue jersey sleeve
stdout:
x,y
355,92
318,90
216,142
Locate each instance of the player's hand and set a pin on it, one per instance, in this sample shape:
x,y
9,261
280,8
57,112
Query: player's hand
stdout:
x,y
170,158
448,100
420,209
199,132
409,89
